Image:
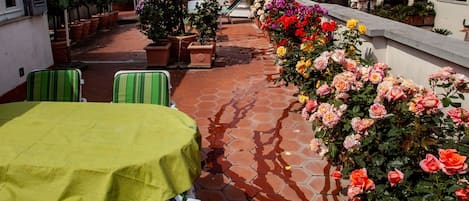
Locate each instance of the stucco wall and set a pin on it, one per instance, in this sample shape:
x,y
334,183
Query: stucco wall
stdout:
x,y
24,43
450,14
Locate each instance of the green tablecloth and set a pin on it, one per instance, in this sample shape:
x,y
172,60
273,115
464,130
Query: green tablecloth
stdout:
x,y
96,151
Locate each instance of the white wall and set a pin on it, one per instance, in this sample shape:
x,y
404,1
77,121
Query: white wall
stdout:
x,y
24,43
450,14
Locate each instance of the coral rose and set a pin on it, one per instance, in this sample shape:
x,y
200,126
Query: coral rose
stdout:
x,y
395,177
377,111
431,164
311,105
452,161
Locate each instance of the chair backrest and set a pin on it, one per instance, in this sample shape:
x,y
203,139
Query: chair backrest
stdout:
x,y
54,85
230,8
152,87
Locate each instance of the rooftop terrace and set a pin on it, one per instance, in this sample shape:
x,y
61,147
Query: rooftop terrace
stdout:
x,y
254,141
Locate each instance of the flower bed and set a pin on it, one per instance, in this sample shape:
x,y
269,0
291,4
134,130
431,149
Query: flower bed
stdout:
x,y
382,131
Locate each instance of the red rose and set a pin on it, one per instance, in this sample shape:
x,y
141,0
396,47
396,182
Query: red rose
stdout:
x,y
336,174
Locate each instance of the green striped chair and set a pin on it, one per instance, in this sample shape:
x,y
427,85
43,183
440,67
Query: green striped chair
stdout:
x,y
54,85
145,86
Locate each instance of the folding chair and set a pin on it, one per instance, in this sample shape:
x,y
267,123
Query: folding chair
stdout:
x,y
54,85
142,86
226,11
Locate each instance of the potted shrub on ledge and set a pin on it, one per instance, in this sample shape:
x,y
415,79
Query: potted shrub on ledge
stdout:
x,y
154,24
204,20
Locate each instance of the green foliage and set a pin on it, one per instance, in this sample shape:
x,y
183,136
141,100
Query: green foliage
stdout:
x,y
442,31
160,18
205,20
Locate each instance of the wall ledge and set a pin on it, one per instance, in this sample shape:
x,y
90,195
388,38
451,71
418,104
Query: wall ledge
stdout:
x,y
447,48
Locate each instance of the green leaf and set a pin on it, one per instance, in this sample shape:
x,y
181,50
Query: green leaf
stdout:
x,y
446,102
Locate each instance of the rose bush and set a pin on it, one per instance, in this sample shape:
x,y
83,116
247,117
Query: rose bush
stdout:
x,y
381,131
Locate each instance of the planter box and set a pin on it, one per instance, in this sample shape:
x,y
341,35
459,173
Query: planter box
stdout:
x,y
429,20
59,52
94,25
158,55
201,55
179,44
86,28
76,31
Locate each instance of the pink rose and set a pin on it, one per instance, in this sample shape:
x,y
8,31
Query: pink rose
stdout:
x,y
340,84
459,116
381,66
350,142
338,56
330,119
323,90
395,177
353,191
395,93
361,125
315,145
320,63
430,164
443,74
323,108
350,65
377,111
429,101
376,76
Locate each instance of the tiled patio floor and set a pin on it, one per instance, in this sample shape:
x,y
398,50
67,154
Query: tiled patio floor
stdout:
x,y
255,145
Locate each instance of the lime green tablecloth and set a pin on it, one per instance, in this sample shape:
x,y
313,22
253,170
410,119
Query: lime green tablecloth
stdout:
x,y
96,152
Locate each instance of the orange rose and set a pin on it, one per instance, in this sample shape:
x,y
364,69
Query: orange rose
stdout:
x,y
395,177
452,162
430,164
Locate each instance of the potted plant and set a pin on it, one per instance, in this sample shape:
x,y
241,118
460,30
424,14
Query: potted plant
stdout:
x,y
59,44
178,36
154,23
204,20
429,18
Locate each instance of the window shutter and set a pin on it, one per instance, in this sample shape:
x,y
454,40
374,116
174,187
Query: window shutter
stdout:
x,y
36,7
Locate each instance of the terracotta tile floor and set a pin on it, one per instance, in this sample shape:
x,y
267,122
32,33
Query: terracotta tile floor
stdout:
x,y
254,141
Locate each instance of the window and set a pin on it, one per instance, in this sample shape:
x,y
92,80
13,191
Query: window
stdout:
x,y
10,3
10,9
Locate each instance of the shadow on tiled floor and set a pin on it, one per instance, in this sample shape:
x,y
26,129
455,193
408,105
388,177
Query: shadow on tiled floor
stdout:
x,y
255,144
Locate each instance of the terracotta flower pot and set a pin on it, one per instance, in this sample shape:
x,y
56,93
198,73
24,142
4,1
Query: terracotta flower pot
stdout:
x,y
60,35
158,55
94,25
86,28
201,55
179,44
59,51
76,31
429,20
